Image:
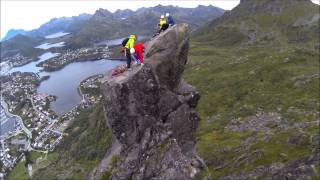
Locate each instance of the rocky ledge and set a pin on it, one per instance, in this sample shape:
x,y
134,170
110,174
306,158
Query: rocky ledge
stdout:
x,y
151,111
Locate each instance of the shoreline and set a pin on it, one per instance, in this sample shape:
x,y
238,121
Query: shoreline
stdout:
x,y
18,119
80,94
57,68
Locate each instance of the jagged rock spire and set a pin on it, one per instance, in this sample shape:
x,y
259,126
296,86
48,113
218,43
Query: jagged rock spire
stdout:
x,y
151,112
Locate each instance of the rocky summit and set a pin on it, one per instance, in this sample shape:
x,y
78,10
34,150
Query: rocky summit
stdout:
x,y
151,111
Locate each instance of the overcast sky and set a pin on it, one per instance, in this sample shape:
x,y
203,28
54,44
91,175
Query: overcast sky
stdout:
x,y
30,15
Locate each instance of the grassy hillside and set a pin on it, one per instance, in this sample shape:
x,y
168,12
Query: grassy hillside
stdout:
x,y
264,21
259,102
236,84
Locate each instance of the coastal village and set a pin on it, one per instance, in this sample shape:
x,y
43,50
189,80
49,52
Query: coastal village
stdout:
x,y
69,56
15,61
37,127
90,91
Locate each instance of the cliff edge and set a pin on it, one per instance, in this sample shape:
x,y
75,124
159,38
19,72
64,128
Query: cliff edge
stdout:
x,y
151,111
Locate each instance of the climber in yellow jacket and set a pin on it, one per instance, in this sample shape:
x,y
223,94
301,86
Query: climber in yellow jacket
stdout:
x,y
163,21
162,24
129,49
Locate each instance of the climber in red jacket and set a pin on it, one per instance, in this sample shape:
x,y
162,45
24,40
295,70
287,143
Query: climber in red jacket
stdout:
x,y
139,50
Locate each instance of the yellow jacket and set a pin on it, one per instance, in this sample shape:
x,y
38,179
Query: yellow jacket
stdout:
x,y
162,22
130,42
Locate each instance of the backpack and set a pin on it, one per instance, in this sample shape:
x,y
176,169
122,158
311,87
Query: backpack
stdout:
x,y
124,42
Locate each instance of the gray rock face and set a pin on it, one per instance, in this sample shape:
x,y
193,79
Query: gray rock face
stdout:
x,y
151,112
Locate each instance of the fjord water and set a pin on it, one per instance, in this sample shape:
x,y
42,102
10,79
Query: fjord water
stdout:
x,y
64,83
56,35
46,46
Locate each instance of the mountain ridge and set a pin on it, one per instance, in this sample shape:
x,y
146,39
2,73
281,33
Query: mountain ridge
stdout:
x,y
143,21
264,21
54,25
74,23
21,44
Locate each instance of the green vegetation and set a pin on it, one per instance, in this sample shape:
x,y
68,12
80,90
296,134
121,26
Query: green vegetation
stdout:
x,y
87,140
88,137
251,62
261,22
113,164
19,172
95,91
37,159
35,155
237,83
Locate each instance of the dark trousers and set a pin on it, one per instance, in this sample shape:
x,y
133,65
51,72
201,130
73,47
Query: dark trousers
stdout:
x,y
128,55
163,28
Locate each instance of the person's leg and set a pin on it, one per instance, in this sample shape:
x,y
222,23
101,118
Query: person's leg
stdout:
x,y
133,56
128,58
160,30
137,58
140,56
165,27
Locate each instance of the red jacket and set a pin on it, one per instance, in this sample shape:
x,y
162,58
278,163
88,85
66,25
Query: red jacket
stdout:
x,y
139,49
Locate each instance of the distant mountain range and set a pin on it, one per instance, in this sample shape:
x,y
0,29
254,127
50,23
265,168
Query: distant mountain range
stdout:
x,y
133,19
87,30
66,24
106,25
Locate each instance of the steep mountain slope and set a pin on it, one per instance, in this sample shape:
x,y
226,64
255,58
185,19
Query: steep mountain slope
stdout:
x,y
264,21
21,44
106,25
260,95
